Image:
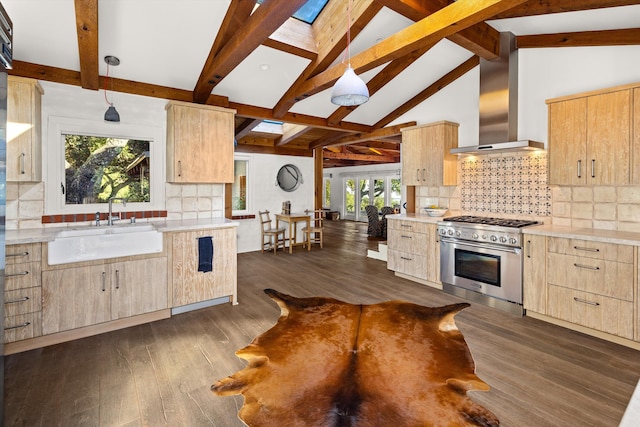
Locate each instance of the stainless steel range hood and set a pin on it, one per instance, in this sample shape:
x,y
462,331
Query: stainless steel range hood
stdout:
x,y
498,116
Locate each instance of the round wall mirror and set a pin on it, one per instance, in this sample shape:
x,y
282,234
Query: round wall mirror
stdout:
x,y
289,177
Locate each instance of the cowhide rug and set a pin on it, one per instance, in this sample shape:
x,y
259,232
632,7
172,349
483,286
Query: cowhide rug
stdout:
x,y
330,363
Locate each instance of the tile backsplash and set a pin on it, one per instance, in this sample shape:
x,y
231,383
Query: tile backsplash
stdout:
x,y
510,185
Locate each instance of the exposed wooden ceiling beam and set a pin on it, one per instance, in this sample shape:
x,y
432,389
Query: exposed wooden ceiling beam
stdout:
x,y
263,22
294,37
360,157
248,146
537,7
291,132
480,39
446,21
362,137
438,85
245,127
330,31
87,29
629,36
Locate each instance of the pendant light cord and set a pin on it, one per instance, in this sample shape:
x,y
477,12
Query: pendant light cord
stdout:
x,y
106,79
347,52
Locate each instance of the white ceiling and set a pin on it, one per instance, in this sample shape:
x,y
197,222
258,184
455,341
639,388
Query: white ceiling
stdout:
x,y
165,42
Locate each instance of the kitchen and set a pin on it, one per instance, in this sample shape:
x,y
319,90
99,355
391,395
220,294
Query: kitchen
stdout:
x,y
575,206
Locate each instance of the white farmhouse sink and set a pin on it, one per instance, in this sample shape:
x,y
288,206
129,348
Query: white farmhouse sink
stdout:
x,y
87,244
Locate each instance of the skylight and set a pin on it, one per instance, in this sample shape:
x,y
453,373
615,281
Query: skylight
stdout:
x,y
309,11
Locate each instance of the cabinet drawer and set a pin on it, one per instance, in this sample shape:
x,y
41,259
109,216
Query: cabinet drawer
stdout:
x,y
408,241
593,311
402,262
589,249
24,275
611,279
22,327
18,254
22,301
402,225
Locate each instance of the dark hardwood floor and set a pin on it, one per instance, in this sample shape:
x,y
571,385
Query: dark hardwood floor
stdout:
x,y
160,373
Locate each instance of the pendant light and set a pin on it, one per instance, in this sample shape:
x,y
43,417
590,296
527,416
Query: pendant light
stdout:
x,y
349,89
111,115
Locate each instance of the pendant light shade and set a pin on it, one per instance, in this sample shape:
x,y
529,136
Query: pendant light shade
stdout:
x,y
111,115
349,89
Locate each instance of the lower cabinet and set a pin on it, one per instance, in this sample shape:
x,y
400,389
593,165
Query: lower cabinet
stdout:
x,y
413,249
191,286
83,296
534,279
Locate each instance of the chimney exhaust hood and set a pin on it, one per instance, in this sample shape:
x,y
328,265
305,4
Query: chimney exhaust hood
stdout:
x,y
498,109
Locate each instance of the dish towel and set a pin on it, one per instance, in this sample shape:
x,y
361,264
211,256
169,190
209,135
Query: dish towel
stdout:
x,y
205,254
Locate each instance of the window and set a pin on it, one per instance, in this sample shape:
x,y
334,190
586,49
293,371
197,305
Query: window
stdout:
x,y
91,162
327,193
309,11
239,193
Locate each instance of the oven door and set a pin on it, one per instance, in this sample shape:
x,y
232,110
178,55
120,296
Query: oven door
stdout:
x,y
491,270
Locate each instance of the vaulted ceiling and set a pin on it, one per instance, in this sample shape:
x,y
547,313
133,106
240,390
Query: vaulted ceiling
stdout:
x,y
269,66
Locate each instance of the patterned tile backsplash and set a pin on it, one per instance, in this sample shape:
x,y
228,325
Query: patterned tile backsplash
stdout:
x,y
511,185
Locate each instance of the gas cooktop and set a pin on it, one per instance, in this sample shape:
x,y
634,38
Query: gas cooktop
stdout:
x,y
500,222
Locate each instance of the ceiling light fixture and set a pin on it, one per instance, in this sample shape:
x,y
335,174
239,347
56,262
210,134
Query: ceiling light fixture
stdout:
x,y
349,89
111,115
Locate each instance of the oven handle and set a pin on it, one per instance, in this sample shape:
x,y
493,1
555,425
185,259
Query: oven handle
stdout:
x,y
445,240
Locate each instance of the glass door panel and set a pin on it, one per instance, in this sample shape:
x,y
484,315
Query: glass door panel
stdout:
x,y
350,198
363,185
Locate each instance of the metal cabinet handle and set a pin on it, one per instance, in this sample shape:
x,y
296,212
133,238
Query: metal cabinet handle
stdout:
x,y
25,253
586,266
22,163
406,259
584,301
418,175
579,168
13,301
25,324
104,281
179,167
582,248
528,248
424,174
406,226
22,273
593,168
406,237
117,279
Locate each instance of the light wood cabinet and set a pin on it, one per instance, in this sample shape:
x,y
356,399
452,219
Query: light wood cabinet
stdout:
x,y
81,296
199,143
592,284
413,249
191,286
426,159
590,139
24,129
22,295
635,139
534,274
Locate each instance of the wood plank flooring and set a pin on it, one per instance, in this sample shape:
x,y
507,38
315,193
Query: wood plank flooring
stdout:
x,y
160,373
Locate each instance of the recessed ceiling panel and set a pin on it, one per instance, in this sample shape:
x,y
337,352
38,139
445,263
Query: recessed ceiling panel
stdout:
x,y
262,78
159,42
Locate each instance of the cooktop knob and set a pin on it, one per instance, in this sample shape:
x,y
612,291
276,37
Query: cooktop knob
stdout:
x,y
494,238
503,239
484,236
513,240
450,232
458,233
475,236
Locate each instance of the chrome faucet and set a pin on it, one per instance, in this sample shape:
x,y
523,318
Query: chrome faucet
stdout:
x,y
110,218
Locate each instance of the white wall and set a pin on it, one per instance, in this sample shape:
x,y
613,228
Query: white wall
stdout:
x,y
264,194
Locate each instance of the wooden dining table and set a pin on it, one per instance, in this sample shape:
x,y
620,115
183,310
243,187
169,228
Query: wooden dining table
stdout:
x,y
292,219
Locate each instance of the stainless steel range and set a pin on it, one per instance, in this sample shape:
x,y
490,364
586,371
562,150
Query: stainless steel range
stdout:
x,y
481,259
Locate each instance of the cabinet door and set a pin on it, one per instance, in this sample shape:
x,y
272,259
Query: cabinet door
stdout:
x,y
433,254
635,140
426,158
24,159
412,154
189,284
534,274
608,138
138,287
74,297
567,142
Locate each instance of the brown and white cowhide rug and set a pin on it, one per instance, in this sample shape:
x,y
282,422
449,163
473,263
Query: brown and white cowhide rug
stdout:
x,y
330,363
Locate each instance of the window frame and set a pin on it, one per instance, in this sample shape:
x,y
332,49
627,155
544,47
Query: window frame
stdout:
x,y
247,208
54,167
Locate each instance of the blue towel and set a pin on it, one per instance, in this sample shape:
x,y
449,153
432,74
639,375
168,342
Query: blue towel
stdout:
x,y
205,254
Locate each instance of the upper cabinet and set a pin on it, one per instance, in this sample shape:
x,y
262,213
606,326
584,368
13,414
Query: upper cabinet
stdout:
x,y
24,148
199,143
426,158
590,138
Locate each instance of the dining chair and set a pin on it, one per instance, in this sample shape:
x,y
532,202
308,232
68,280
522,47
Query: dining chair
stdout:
x,y
315,232
275,236
384,211
375,225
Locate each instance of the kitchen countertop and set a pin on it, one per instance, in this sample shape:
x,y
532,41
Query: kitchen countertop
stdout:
x,y
36,235
593,234
416,217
